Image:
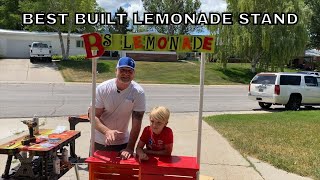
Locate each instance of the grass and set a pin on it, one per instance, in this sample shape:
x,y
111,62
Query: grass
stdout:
x,y
80,71
288,140
159,72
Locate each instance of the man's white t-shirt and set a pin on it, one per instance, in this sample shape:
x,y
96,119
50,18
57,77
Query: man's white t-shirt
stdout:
x,y
118,107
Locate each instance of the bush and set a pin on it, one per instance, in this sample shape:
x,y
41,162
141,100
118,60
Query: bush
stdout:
x,y
56,57
182,56
77,58
72,58
317,66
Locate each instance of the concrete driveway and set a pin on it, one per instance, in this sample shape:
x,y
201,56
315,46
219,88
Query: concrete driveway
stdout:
x,y
21,70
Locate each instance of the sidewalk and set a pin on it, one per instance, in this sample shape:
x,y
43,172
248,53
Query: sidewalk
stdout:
x,y
218,159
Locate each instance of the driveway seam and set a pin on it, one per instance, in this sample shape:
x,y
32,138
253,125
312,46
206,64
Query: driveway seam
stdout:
x,y
27,72
252,165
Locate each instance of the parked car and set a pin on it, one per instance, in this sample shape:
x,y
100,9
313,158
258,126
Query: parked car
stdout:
x,y
289,89
40,51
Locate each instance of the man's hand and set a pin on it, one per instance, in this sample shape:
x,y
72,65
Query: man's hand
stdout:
x,y
145,150
111,135
126,153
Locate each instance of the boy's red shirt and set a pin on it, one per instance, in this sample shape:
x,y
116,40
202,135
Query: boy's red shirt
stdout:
x,y
156,142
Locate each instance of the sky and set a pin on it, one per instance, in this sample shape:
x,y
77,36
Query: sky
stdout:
x,y
136,5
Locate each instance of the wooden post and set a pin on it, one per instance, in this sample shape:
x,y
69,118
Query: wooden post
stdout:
x,y
93,102
202,70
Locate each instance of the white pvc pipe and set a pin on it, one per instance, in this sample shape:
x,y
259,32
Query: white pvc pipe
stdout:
x,y
93,103
202,69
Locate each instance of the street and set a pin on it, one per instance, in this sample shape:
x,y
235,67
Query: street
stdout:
x,y
64,99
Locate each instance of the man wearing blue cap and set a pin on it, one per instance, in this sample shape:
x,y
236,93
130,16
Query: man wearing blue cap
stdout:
x,y
118,100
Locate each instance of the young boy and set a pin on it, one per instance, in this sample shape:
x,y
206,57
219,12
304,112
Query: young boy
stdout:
x,y
157,137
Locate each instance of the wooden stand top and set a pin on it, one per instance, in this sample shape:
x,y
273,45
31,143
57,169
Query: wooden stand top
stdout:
x,y
184,162
42,144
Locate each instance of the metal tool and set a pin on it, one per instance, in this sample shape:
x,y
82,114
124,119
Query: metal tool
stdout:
x,y
31,138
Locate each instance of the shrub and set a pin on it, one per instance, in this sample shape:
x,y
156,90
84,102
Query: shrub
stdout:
x,y
77,58
317,66
57,57
102,67
182,56
72,58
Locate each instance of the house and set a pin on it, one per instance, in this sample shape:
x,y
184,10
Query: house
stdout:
x,y
15,44
308,61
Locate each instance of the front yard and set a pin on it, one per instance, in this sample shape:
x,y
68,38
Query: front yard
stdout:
x,y
288,140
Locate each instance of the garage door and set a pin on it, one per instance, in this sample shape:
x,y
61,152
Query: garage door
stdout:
x,y
18,48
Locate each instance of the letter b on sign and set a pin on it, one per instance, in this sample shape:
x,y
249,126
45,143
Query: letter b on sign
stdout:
x,y
93,41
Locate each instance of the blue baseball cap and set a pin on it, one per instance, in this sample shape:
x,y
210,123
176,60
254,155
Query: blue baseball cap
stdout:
x,y
126,62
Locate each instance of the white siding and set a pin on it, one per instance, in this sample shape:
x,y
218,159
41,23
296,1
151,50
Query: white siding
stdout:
x,y
74,50
3,47
17,48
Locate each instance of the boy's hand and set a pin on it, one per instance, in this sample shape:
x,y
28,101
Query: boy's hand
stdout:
x,y
126,153
143,157
111,135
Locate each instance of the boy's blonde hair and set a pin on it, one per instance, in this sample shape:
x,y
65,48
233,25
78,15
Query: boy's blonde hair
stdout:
x,y
160,113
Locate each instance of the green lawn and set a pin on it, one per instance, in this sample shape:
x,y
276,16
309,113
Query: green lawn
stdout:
x,y
159,72
288,140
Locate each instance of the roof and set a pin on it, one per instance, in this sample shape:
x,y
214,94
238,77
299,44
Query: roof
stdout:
x,y
312,52
16,32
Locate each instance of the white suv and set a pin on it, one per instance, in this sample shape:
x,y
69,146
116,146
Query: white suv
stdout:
x,y
40,51
289,89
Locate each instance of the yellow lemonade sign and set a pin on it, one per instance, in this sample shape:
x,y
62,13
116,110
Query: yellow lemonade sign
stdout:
x,y
146,42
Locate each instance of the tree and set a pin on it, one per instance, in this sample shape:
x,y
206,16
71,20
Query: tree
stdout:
x,y
10,15
173,6
66,6
223,42
98,28
315,23
119,28
269,46
139,28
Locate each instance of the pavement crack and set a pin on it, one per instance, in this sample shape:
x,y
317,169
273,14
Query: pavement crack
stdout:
x,y
237,165
55,108
52,89
223,164
253,166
